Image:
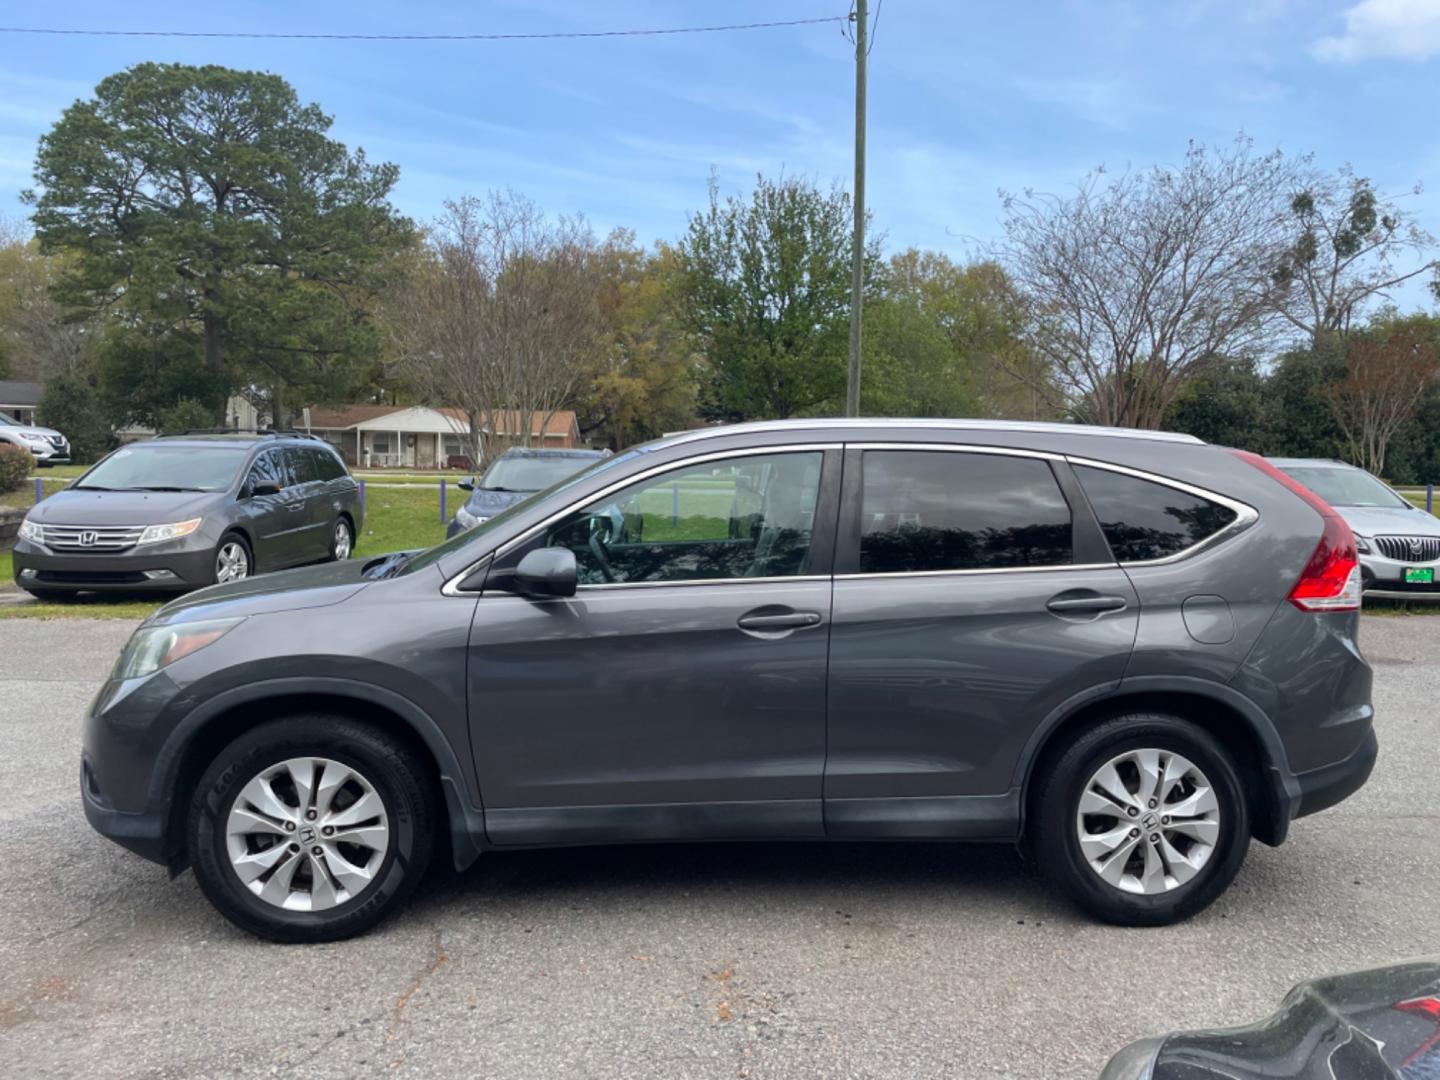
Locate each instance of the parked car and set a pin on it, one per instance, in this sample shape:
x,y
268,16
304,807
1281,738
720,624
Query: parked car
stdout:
x,y
179,512
1130,651
1398,543
47,444
513,477
1369,1025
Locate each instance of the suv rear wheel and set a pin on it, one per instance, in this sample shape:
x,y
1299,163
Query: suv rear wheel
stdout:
x,y
1142,820
312,828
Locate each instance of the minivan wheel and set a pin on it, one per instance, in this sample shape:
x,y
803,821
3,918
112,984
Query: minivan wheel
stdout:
x,y
233,561
342,540
311,828
1142,820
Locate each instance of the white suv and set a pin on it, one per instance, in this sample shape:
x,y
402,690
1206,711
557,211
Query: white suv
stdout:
x,y
47,444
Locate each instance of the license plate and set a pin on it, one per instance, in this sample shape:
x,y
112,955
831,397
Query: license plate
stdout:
x,y
1419,575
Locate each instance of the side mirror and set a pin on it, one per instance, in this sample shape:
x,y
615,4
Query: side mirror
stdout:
x,y
466,485
265,487
546,573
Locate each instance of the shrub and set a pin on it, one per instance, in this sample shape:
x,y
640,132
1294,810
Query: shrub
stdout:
x,y
186,414
72,407
15,465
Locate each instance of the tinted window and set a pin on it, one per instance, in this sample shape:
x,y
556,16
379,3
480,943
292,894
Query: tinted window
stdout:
x,y
168,465
327,465
302,465
745,517
1144,520
941,510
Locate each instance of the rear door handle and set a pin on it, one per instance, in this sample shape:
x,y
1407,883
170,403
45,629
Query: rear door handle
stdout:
x,y
1067,605
789,620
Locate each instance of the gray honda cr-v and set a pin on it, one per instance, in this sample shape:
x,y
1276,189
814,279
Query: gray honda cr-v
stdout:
x,y
179,512
1130,651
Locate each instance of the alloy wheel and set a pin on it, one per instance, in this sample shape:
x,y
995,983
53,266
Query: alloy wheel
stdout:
x,y
307,834
343,543
1148,821
232,562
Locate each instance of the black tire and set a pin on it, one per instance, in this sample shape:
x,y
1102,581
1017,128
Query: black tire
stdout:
x,y
334,540
1052,829
397,776
233,538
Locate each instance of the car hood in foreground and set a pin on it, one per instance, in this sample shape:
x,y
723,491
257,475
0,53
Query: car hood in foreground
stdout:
x,y
1383,521
1377,1024
288,590
71,507
485,502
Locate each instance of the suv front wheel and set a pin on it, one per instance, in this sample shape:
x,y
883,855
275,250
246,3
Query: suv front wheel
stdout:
x,y
312,828
1142,820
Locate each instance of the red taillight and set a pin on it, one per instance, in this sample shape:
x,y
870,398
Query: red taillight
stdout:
x,y
1331,579
1426,1006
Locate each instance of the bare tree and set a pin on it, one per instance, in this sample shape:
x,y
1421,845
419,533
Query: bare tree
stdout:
x,y
1386,375
1139,280
41,336
502,316
1348,248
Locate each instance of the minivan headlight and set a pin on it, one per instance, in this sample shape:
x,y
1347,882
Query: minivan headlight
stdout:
x,y
32,531
154,534
154,647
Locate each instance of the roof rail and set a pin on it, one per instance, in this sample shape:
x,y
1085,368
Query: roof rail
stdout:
x,y
274,433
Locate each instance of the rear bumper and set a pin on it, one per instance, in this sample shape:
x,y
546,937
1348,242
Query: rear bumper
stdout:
x,y
1322,788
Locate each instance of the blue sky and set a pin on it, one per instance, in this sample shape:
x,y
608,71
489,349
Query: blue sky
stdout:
x,y
966,97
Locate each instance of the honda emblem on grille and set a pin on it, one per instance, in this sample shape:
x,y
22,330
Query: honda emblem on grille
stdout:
x,y
89,538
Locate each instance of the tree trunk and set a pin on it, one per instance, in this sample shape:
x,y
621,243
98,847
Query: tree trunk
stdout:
x,y
277,407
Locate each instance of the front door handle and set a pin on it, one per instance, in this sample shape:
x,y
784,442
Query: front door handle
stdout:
x,y
785,620
1065,604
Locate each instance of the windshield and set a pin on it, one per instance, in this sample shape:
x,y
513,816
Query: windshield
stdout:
x,y
439,551
1346,487
158,466
531,473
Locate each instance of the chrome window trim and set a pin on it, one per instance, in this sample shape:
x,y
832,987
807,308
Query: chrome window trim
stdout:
x,y
1049,568
1245,514
609,585
958,448
451,586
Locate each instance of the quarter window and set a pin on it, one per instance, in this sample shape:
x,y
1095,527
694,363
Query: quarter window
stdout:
x,y
927,510
746,517
1144,520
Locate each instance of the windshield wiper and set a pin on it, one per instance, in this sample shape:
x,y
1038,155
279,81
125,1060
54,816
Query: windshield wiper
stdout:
x,y
161,487
89,487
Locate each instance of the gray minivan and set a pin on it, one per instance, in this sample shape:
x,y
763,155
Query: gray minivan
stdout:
x,y
1131,652
179,512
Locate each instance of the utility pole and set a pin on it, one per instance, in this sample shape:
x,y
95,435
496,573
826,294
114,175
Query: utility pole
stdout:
x,y
857,254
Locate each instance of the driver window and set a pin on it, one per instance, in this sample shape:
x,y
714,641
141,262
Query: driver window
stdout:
x,y
262,471
741,517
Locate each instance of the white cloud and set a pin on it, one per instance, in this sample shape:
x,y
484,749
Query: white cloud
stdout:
x,y
1406,29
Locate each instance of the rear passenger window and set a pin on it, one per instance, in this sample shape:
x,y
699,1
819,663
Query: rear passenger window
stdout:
x,y
944,510
302,465
1144,520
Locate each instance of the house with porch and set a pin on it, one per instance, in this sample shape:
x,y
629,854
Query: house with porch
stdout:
x,y
20,399
422,437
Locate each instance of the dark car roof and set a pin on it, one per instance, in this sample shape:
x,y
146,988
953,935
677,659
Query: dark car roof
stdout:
x,y
238,438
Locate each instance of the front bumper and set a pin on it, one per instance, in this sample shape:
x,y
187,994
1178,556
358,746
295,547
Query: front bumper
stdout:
x,y
167,567
1384,579
143,833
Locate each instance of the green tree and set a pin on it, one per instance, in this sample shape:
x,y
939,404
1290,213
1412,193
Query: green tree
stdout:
x,y
71,404
212,203
643,382
142,375
1225,404
1297,414
765,290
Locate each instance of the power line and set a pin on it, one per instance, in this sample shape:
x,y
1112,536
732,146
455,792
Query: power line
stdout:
x,y
425,37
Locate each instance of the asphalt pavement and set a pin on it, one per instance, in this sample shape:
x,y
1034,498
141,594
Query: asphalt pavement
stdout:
x,y
755,960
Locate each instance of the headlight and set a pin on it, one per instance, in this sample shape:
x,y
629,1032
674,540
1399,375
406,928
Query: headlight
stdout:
x,y
32,531
466,519
154,647
1362,544
153,534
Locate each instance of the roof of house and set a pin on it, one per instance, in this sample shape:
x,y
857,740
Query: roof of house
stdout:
x,y
349,416
20,393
